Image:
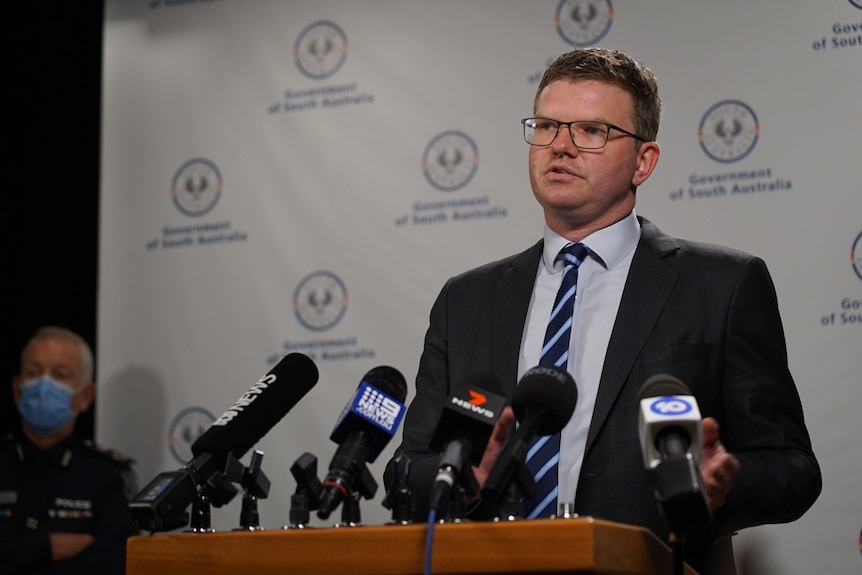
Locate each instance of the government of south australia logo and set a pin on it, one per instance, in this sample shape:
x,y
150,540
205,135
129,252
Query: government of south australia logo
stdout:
x,y
196,187
583,22
186,427
450,161
856,255
728,131
320,300
320,50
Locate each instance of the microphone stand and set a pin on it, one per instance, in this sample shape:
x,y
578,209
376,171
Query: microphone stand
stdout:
x,y
200,517
306,498
677,546
400,499
466,486
366,487
351,515
457,512
509,483
509,507
255,486
216,489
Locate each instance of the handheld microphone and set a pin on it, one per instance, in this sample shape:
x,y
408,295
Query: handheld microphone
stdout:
x,y
464,428
161,504
543,403
671,443
669,421
363,429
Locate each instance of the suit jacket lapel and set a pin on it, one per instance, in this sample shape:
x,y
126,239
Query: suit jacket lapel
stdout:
x,y
648,286
511,303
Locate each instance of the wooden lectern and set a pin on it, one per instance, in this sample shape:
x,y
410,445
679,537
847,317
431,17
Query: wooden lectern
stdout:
x,y
578,545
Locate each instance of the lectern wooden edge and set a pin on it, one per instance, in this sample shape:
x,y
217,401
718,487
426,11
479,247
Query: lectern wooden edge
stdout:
x,y
576,545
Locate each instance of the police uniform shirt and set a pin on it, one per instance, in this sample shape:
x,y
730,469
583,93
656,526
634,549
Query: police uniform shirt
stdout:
x,y
73,488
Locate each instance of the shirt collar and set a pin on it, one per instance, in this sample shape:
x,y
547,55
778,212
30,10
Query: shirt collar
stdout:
x,y
60,453
610,245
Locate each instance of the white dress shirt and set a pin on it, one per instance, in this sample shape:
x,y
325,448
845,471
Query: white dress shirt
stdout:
x,y
601,279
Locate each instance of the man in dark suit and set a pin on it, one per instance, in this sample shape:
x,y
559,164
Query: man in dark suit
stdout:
x,y
646,304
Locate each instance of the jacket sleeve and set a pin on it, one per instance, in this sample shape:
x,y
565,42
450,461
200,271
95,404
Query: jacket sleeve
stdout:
x,y
432,389
763,422
26,553
113,526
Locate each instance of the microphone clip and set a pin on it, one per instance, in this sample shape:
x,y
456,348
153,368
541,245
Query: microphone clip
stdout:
x,y
400,497
255,486
306,498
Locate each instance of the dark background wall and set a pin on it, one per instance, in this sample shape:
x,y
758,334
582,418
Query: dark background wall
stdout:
x,y
52,108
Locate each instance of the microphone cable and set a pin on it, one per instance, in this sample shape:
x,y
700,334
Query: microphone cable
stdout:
x,y
429,540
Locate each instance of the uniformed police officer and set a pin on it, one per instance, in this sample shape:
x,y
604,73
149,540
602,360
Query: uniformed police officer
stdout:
x,y
63,501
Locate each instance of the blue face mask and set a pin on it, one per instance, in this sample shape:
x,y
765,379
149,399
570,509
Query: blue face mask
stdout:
x,y
46,405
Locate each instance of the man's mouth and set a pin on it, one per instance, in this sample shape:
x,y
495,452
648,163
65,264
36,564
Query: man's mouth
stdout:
x,y
560,170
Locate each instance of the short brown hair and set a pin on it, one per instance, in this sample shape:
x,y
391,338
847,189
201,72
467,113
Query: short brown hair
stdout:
x,y
619,69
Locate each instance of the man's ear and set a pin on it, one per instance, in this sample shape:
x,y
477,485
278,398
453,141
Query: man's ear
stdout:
x,y
647,160
82,400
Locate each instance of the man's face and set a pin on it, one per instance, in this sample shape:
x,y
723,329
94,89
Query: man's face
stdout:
x,y
60,360
585,190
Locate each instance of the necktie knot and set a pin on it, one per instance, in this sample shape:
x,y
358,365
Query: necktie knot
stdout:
x,y
573,254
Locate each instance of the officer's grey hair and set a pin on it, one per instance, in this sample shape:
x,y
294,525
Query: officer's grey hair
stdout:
x,y
62,333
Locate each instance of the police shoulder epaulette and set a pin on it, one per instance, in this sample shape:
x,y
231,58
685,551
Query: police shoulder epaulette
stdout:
x,y
7,439
110,454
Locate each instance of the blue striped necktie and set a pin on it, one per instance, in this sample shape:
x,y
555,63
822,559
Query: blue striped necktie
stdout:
x,y
544,453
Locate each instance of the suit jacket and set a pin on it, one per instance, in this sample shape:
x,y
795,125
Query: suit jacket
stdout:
x,y
705,314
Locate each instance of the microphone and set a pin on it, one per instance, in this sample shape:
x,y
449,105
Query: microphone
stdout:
x,y
363,429
671,443
160,505
250,417
464,428
543,403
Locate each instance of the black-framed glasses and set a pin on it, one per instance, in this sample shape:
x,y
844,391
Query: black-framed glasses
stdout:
x,y
586,134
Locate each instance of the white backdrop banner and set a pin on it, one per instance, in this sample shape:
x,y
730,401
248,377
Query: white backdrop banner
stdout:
x,y
304,176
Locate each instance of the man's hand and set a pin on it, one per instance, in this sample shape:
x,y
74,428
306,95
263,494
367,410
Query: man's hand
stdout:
x,y
66,545
717,466
495,445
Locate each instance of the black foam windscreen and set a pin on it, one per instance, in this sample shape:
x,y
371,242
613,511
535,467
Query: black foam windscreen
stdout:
x,y
549,389
259,409
388,380
661,385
